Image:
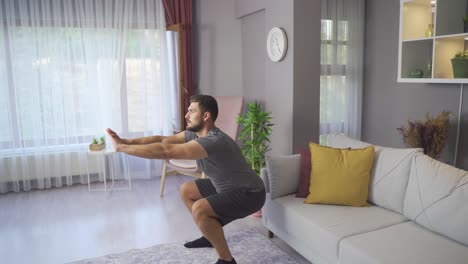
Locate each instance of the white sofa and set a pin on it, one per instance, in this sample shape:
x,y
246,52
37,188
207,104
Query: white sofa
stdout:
x,y
418,212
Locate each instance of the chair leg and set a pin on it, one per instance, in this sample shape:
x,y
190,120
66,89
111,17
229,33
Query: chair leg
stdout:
x,y
270,234
163,179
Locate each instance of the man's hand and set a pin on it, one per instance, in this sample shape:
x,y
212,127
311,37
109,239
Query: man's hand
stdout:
x,y
116,140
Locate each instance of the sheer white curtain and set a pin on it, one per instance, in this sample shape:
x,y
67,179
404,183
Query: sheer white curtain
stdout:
x,y
68,70
342,68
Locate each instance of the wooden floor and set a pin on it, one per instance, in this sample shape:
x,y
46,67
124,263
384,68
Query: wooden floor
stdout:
x,y
69,224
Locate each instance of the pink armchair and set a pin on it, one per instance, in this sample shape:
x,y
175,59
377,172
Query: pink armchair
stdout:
x,y
229,108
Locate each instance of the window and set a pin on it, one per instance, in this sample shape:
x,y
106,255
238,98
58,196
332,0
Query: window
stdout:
x,y
333,60
55,85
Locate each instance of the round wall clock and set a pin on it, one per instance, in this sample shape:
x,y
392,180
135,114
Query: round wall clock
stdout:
x,y
277,44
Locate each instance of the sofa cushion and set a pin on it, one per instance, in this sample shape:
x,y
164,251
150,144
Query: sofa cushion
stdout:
x,y
402,243
390,176
304,180
437,198
340,176
283,174
321,227
390,173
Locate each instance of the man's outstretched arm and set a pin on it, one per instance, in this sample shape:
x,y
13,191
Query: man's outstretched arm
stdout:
x,y
178,138
191,150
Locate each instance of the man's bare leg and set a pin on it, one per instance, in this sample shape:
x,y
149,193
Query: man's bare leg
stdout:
x,y
190,194
206,219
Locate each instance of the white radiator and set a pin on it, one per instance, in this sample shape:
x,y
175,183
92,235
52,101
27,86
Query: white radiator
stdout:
x,y
39,163
68,161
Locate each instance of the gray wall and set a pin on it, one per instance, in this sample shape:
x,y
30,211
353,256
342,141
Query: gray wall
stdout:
x,y
278,76
229,54
306,101
217,48
387,104
462,159
253,57
289,89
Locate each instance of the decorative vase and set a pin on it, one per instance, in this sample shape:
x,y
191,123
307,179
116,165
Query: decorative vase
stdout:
x,y
97,147
460,68
429,31
417,73
429,70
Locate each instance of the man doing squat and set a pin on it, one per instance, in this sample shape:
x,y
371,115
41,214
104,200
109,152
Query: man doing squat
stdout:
x,y
233,189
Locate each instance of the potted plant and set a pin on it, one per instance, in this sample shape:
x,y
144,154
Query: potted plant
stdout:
x,y
98,145
255,135
460,64
430,134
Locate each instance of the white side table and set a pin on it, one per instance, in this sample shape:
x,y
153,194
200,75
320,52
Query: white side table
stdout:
x,y
106,155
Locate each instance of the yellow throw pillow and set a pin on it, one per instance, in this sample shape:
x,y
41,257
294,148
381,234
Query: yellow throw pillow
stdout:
x,y
340,176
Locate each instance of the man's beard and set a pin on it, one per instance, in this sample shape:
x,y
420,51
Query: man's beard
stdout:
x,y
196,128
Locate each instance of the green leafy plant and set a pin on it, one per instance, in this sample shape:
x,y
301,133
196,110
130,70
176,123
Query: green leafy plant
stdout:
x,y
430,134
462,54
101,140
255,135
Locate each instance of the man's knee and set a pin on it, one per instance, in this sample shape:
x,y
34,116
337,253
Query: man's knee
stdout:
x,y
201,210
185,189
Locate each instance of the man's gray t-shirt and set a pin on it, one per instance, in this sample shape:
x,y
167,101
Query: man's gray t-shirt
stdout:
x,y
225,164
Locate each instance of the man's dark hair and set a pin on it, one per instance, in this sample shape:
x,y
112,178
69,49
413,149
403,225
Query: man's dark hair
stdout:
x,y
206,103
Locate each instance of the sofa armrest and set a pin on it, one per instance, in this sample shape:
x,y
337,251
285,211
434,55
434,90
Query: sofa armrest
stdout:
x,y
266,180
283,174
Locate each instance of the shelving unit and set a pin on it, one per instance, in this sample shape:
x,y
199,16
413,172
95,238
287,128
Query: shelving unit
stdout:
x,y
430,54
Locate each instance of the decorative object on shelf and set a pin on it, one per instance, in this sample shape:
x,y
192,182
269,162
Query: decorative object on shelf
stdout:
x,y
465,24
417,73
277,44
430,134
429,31
255,135
429,70
460,64
98,145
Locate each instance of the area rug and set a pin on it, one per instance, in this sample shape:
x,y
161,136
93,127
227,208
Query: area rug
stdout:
x,y
247,246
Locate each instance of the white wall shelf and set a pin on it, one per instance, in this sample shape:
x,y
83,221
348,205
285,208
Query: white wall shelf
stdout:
x,y
418,39
430,54
459,35
432,80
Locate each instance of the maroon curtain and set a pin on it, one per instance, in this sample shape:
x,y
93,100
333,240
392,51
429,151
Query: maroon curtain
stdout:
x,y
180,12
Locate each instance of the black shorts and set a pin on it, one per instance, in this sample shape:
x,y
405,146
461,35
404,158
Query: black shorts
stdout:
x,y
233,204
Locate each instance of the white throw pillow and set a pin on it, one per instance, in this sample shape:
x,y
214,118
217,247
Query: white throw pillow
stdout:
x,y
283,172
